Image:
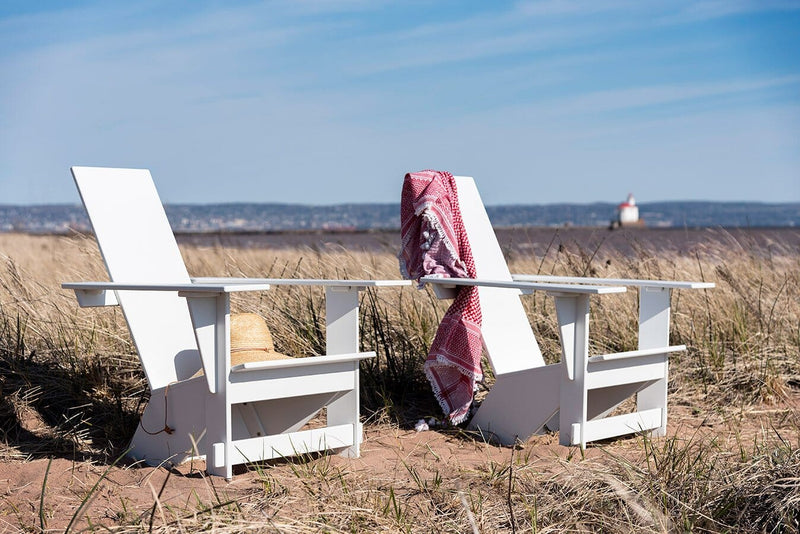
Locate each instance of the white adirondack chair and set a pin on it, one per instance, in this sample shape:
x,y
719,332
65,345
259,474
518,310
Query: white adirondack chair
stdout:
x,y
230,415
577,394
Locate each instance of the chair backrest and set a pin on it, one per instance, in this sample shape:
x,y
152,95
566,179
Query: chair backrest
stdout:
x,y
507,334
138,246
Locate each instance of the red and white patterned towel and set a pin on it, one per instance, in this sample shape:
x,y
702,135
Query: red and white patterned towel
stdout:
x,y
434,242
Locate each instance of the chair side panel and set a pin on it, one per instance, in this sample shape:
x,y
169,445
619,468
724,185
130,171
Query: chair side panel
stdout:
x,y
138,246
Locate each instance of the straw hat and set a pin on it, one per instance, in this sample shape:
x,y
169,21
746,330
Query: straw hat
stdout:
x,y
251,340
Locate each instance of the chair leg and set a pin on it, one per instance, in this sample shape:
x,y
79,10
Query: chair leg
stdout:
x,y
341,320
218,437
341,317
655,396
654,332
345,410
219,427
573,321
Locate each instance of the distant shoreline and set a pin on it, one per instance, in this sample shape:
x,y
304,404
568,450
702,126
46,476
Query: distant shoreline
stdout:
x,y
349,231
520,240
258,218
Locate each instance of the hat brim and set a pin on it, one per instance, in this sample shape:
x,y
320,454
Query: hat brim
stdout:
x,y
247,356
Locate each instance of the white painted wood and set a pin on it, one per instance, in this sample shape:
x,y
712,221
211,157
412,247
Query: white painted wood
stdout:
x,y
573,322
217,459
519,404
570,331
360,284
345,410
291,382
668,284
653,326
219,409
341,337
291,444
184,289
177,406
301,362
617,372
90,298
654,320
507,335
620,425
589,387
203,311
635,353
443,291
138,246
653,317
341,320
102,293
523,287
231,285
178,322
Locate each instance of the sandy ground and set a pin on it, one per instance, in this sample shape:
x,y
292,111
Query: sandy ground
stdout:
x,y
131,494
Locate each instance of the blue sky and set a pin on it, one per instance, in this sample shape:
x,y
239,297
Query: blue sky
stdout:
x,y
333,101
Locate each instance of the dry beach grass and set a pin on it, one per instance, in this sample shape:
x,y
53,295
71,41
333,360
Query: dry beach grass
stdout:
x,y
71,390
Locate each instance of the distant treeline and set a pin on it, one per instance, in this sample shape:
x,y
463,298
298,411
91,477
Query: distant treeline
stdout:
x,y
282,217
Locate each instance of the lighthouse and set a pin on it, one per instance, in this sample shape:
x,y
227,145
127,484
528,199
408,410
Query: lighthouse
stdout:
x,y
627,214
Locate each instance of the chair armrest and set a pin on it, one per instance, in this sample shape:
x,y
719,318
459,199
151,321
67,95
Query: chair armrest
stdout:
x,y
309,361
102,293
90,294
361,284
209,287
632,282
631,354
525,287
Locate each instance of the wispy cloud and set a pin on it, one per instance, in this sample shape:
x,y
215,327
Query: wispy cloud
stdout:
x,y
647,97
309,88
692,12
